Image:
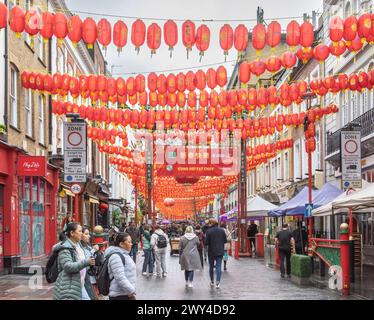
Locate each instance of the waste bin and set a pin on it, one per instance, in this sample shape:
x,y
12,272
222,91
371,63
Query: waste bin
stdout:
x,y
259,244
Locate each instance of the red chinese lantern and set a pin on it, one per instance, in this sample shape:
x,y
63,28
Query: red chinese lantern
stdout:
x,y
171,35
188,35
211,78
154,37
162,99
350,29
355,45
138,34
213,97
336,29
181,99
304,55
273,64
161,84
61,26
200,80
152,82
89,32
364,26
153,98
226,39
244,72
120,32
288,60
48,83
104,32
121,86
321,52
337,49
353,82
259,37
252,97
140,83
363,79
306,35
293,34
273,96
47,25
262,98
181,82
171,83
241,38
75,29
192,99
223,98
32,22
190,81
202,39
273,35
258,67
17,20
203,100
343,81
3,15
221,76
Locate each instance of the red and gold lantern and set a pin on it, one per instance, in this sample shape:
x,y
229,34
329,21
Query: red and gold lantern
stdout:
x,y
202,39
259,37
273,35
75,25
89,32
153,37
47,25
61,29
226,39
306,35
293,34
221,76
200,80
104,32
211,78
350,29
170,34
17,20
244,72
3,15
321,52
241,38
188,35
120,32
138,34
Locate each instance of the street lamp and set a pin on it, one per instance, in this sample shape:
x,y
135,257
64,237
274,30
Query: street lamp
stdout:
x,y
309,96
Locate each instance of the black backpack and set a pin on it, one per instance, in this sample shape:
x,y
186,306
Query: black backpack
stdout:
x,y
161,241
102,279
51,268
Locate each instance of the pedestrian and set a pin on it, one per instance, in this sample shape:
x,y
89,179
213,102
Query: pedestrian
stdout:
x,y
159,243
72,264
200,248
148,256
189,257
123,227
112,234
226,246
134,233
123,285
285,243
205,228
215,239
251,233
90,279
65,221
301,238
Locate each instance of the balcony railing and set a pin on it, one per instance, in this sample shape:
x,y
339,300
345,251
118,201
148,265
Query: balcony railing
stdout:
x,y
367,127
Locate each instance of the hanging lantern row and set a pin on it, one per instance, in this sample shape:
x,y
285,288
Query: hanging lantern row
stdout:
x,y
76,29
224,104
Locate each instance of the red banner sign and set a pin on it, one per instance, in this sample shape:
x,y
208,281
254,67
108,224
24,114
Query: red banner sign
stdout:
x,y
31,166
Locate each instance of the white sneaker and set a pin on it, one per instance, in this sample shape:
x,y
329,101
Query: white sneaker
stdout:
x,y
190,285
145,274
212,284
217,285
164,274
187,284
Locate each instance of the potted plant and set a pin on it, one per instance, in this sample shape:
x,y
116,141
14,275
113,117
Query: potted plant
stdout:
x,y
301,269
3,132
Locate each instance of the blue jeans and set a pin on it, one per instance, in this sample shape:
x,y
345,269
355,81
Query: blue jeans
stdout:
x,y
148,261
134,251
188,275
218,264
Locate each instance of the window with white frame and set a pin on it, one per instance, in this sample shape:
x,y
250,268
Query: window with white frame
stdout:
x,y
279,170
29,112
27,36
13,97
41,48
267,175
296,161
304,159
41,120
286,164
317,154
60,61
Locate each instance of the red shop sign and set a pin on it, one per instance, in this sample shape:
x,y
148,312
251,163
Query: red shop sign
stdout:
x,y
31,166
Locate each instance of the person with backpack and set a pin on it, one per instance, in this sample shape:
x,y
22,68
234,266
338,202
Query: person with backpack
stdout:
x,y
159,244
200,234
118,270
148,256
226,246
71,266
189,257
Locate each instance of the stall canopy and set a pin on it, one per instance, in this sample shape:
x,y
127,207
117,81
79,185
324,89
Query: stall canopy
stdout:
x,y
326,209
296,206
362,199
258,207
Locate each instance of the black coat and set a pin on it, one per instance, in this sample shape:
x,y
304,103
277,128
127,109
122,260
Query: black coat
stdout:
x,y
215,239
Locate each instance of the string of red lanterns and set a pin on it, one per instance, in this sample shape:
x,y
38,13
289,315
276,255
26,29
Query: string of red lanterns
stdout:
x,y
353,30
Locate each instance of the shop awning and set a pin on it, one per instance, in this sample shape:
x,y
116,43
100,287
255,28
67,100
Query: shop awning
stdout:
x,y
66,189
93,200
362,199
258,207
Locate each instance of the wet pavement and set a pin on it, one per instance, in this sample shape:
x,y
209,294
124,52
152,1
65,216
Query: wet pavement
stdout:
x,y
246,279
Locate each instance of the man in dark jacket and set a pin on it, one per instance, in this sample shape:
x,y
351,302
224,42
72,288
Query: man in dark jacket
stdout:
x,y
285,243
205,228
134,233
215,239
252,231
301,238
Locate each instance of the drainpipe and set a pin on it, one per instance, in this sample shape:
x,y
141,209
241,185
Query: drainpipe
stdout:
x,y
6,84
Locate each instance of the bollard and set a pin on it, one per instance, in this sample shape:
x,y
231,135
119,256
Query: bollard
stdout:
x,y
259,245
277,259
345,250
236,255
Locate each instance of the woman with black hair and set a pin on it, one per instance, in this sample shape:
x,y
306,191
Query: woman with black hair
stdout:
x,y
122,269
72,265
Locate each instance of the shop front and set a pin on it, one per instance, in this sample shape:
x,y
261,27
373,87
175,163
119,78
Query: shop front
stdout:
x,y
28,218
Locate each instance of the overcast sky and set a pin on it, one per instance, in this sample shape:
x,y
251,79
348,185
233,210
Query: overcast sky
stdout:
x,y
130,62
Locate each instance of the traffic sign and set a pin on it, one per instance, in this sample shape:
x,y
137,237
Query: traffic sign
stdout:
x,y
308,209
76,188
351,159
75,156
